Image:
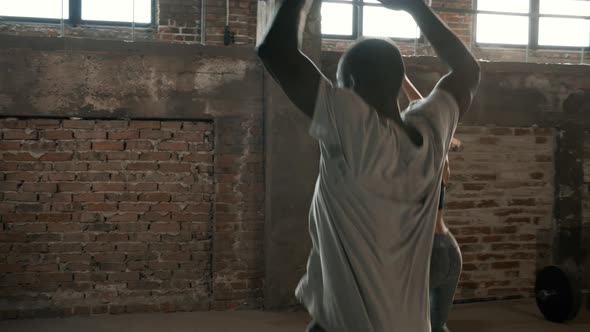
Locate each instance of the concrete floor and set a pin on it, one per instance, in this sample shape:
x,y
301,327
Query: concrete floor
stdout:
x,y
507,316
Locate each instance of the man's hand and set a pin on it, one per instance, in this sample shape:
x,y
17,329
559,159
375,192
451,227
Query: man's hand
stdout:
x,y
456,145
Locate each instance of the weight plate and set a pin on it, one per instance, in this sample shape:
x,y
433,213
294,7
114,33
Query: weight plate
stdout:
x,y
566,300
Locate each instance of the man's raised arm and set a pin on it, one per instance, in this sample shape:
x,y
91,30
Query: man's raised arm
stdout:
x,y
280,51
463,80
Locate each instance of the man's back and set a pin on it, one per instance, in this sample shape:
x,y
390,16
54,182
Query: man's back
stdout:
x,y
373,212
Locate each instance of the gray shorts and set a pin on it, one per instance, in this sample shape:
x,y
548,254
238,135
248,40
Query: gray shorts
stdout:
x,y
445,269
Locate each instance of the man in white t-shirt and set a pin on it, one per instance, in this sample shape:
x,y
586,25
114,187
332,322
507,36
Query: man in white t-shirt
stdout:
x,y
372,217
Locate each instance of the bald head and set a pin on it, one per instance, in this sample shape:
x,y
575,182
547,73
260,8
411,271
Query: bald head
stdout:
x,y
374,69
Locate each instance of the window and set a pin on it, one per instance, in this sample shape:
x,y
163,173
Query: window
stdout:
x,y
510,29
351,19
44,9
560,31
546,23
103,12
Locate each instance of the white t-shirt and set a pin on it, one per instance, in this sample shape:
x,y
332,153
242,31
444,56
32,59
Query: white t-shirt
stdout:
x,y
372,216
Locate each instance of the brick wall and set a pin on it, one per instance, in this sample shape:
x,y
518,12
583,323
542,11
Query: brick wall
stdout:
x,y
462,25
175,206
499,200
106,216
176,21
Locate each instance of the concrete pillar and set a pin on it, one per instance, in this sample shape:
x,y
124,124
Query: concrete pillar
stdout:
x,y
569,181
291,170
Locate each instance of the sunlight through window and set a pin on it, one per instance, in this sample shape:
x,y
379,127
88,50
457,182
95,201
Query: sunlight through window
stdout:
x,y
48,9
117,10
383,22
568,32
337,19
503,29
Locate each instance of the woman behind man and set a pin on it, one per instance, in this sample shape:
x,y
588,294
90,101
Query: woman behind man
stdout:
x,y
445,261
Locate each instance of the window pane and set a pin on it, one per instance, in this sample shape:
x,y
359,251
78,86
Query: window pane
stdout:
x,y
35,8
507,6
383,22
117,10
336,19
502,29
564,32
566,7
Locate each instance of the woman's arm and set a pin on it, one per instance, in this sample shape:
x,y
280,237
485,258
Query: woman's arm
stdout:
x,y
410,90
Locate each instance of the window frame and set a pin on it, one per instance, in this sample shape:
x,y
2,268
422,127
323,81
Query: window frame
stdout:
x,y
75,18
534,16
357,21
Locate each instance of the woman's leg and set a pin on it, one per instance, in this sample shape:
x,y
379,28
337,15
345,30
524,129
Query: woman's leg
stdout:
x,y
443,293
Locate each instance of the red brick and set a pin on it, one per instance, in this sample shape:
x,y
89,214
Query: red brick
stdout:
x,y
123,135
89,198
8,166
20,134
65,247
174,167
142,166
518,220
139,145
79,124
173,146
108,186
23,176
99,247
493,238
165,227
112,237
543,131
105,166
57,197
125,156
40,187
142,186
131,247
123,217
10,146
63,227
18,156
133,207
155,156
57,134
74,187
123,276
70,166
42,268
62,177
59,276
20,197
505,265
90,134
57,156
29,228
104,207
19,217
154,134
54,217
154,197
198,158
108,146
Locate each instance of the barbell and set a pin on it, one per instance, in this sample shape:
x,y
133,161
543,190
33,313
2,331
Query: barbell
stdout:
x,y
558,294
